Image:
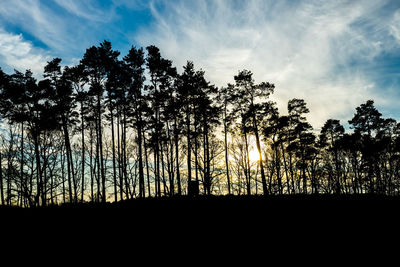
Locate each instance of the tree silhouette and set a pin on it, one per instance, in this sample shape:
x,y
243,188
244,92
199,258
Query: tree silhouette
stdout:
x,y
60,90
246,95
161,78
187,85
98,62
367,123
135,70
77,77
115,128
224,97
331,134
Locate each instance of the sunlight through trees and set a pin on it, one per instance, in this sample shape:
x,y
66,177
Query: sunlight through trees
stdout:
x,y
120,127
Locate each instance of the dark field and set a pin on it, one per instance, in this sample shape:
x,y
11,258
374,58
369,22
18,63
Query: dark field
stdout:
x,y
273,220
230,206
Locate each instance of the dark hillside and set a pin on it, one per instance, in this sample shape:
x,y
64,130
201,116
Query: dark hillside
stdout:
x,y
275,219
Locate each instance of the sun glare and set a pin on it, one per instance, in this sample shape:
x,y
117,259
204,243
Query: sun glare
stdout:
x,y
253,155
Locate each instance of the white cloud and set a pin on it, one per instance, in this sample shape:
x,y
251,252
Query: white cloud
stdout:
x,y
38,20
395,26
17,53
64,33
306,48
85,9
322,51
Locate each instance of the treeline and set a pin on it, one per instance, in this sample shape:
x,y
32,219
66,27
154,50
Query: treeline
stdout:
x,y
114,128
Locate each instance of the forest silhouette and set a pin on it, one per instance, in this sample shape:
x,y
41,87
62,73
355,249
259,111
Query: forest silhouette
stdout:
x,y
118,128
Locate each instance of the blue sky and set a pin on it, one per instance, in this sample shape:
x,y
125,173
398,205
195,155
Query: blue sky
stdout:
x,y
334,54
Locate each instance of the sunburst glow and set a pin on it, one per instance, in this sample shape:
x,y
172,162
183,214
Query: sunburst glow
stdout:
x,y
254,155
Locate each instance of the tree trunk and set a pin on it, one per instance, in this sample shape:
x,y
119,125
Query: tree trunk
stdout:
x,y
38,168
170,158
304,178
247,162
205,184
74,181
91,166
23,192
189,147
158,178
68,165
208,170
286,168
125,160
100,137
9,167
113,154
155,173
162,169
196,143
120,173
263,180
172,186
44,191
1,181
226,152
97,163
147,165
178,176
83,154
278,169
141,174
51,186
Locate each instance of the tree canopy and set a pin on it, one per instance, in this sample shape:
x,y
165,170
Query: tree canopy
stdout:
x,y
118,127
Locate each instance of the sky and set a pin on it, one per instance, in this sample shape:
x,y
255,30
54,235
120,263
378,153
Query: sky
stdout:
x,y
335,55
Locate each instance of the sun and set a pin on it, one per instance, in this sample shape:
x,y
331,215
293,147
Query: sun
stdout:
x,y
253,155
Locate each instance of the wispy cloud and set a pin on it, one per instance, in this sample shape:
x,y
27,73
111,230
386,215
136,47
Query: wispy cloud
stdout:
x,y
323,51
63,27
314,50
395,26
37,19
88,10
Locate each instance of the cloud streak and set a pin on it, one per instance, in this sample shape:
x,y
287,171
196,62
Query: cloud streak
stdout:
x,y
314,50
84,9
65,27
37,19
327,52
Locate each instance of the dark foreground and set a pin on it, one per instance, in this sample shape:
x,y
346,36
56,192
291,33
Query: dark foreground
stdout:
x,y
207,207
272,219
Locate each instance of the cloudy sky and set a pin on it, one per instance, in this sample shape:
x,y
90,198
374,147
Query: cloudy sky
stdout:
x,y
334,54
